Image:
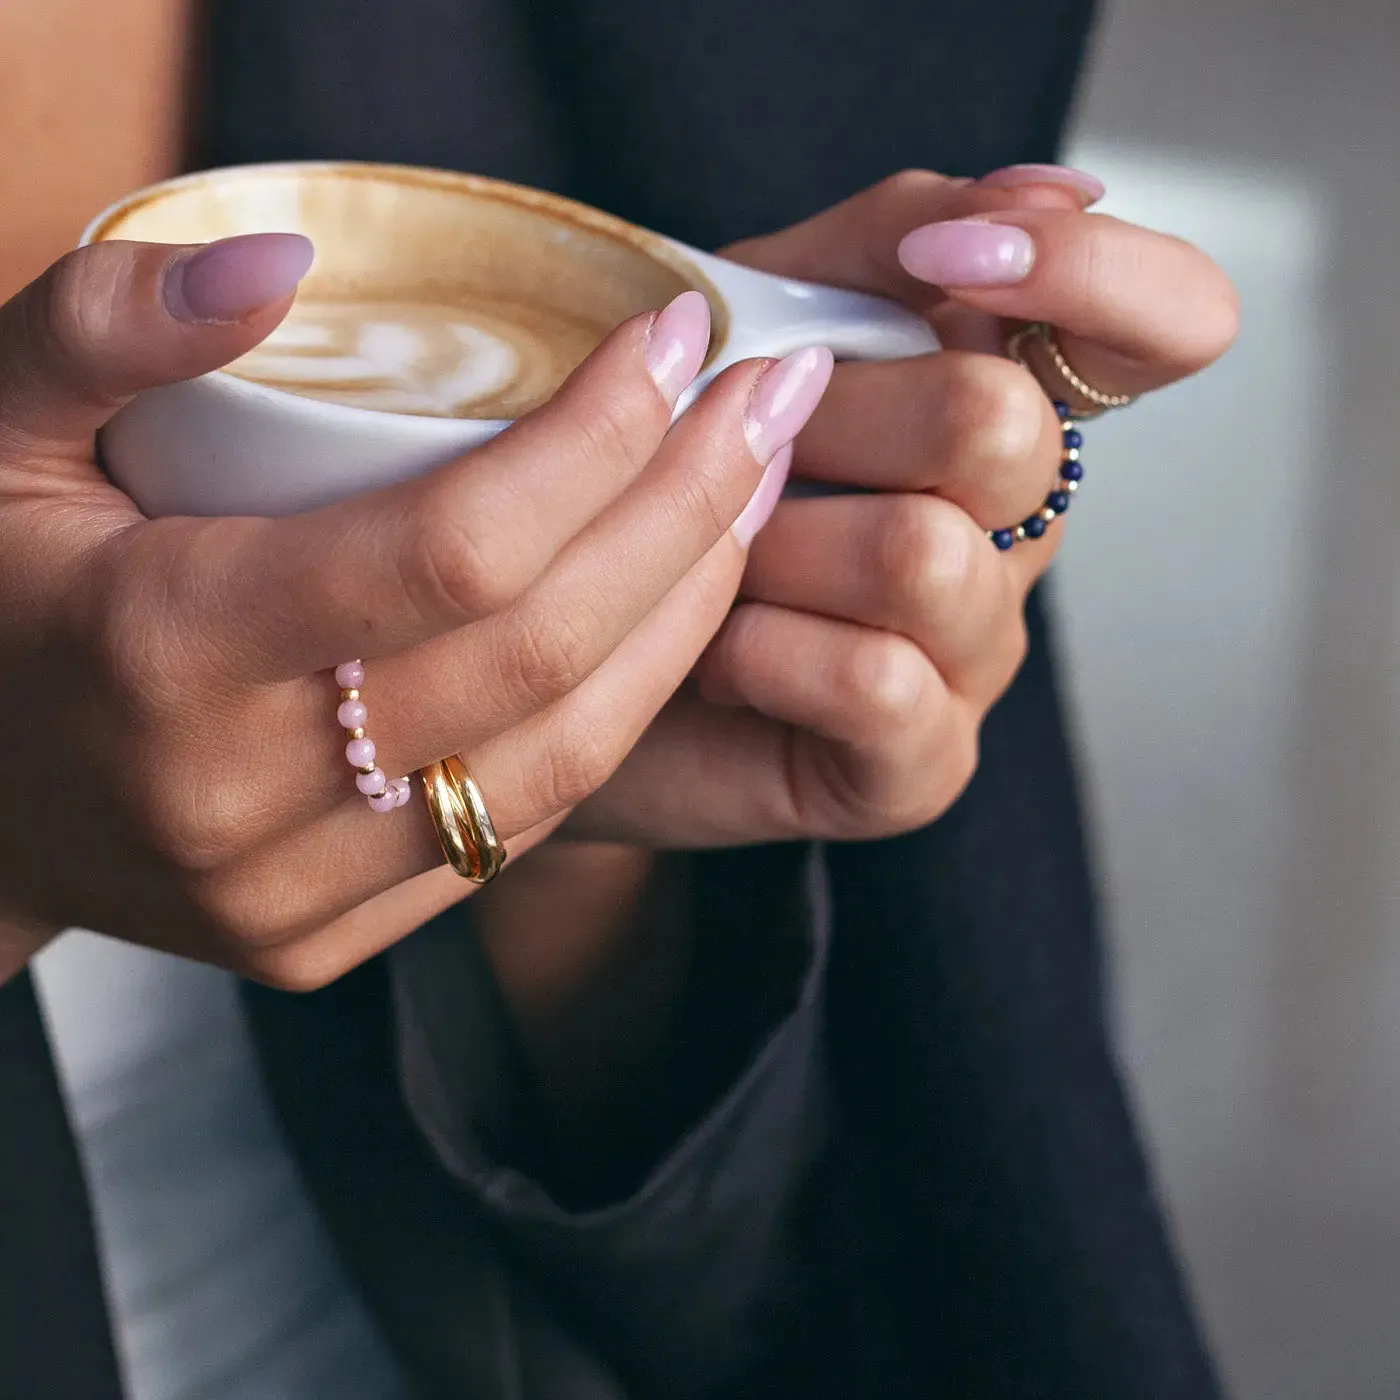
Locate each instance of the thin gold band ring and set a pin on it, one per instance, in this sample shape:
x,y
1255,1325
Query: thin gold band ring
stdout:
x,y
1045,333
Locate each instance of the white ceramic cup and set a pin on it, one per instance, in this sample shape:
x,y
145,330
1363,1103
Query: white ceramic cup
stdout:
x,y
224,445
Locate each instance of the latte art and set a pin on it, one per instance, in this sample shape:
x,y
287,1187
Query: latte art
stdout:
x,y
492,359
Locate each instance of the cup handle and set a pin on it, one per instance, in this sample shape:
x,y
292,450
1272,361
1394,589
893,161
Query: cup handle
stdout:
x,y
774,316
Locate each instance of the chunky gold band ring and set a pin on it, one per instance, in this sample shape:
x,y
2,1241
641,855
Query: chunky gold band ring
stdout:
x,y
1045,333
464,826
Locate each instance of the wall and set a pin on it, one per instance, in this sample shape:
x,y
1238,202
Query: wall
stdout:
x,y
1231,598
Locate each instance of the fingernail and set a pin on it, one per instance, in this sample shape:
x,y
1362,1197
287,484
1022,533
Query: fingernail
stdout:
x,y
784,399
764,500
227,280
677,343
968,253
1080,181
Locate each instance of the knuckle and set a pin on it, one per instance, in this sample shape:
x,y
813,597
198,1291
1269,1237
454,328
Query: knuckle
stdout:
x,y
925,559
249,917
545,657
77,308
911,186
137,626
962,756
128,660
1010,654
300,968
886,680
610,432
705,501
577,763
454,569
196,827
1217,323
1018,647
995,411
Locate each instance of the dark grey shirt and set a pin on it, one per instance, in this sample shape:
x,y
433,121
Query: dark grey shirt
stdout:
x,y
683,1277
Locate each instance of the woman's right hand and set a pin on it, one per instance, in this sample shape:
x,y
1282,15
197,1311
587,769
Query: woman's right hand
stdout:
x,y
173,768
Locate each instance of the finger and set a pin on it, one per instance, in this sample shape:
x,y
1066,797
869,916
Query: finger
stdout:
x,y
909,564
975,428
529,776
879,738
313,961
398,567
444,697
1136,309
607,580
110,320
855,243
468,686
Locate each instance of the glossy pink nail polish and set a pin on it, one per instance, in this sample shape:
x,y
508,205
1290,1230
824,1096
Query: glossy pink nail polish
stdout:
x,y
227,280
764,500
968,253
677,344
784,399
1080,181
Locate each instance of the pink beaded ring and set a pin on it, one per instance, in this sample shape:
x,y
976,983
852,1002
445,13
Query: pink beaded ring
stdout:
x,y
383,794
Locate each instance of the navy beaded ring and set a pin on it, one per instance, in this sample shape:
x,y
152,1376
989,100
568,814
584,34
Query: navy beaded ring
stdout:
x,y
1062,493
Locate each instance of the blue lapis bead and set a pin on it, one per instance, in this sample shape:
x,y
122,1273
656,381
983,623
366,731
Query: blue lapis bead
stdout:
x,y
1074,438
1058,501
1072,471
1003,539
1034,527
1062,411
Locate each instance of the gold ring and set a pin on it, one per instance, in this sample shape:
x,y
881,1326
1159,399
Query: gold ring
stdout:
x,y
1045,333
464,826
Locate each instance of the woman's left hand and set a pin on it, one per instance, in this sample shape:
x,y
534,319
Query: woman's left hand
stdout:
x,y
843,697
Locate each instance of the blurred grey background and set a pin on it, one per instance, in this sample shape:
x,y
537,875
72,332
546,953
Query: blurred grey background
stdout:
x,y
1230,602
1230,597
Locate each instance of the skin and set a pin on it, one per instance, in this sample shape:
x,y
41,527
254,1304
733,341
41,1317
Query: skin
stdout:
x,y
838,703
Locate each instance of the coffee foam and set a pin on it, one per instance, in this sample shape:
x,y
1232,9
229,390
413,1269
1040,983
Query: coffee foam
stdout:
x,y
486,360
432,293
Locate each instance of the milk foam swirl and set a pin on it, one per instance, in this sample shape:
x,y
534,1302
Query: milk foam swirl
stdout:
x,y
487,360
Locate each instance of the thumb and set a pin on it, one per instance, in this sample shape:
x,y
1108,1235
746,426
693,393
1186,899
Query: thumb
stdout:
x,y
855,243
107,321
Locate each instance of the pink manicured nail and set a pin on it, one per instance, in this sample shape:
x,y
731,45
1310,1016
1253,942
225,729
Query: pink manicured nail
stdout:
x,y
764,500
784,399
224,281
1078,180
968,253
677,343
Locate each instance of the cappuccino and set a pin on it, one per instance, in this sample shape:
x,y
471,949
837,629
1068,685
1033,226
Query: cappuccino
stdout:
x,y
432,294
439,308
486,359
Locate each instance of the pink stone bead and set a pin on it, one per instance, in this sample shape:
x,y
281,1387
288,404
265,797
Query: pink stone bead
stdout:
x,y
402,790
372,784
385,802
352,714
359,753
350,675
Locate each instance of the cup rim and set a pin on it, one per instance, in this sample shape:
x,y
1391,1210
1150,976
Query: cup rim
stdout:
x,y
667,251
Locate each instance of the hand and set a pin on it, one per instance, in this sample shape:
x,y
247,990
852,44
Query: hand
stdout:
x,y
174,769
843,697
